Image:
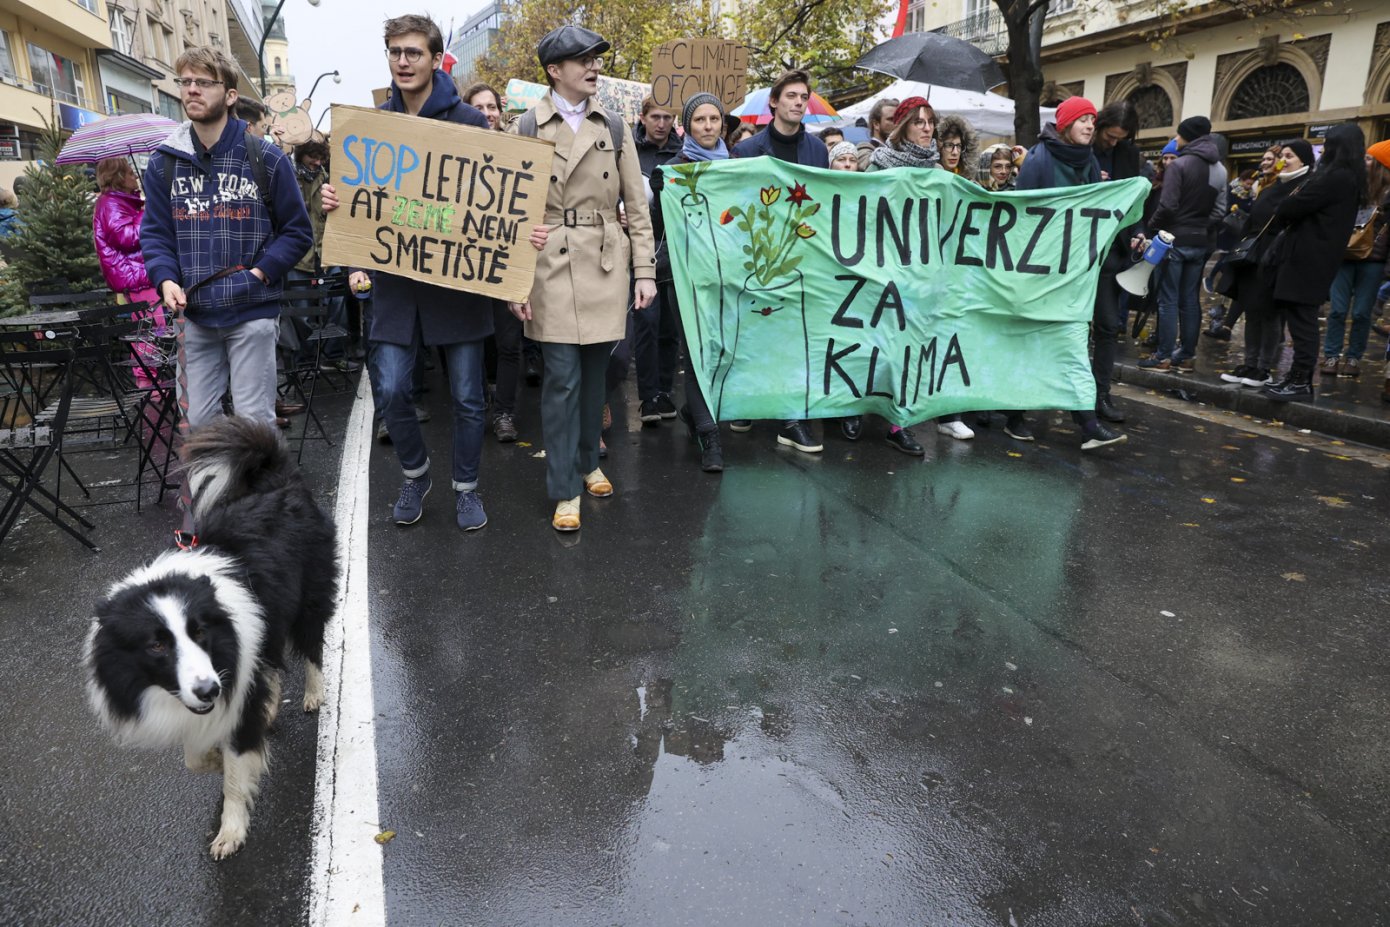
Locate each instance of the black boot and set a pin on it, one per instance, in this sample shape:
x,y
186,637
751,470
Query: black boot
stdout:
x,y
1296,387
1106,409
711,454
852,427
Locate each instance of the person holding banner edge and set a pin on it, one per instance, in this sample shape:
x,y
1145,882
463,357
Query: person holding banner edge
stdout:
x,y
1064,158
407,313
786,139
702,117
578,305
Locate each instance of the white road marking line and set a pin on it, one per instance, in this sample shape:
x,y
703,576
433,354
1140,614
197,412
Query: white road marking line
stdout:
x,y
346,885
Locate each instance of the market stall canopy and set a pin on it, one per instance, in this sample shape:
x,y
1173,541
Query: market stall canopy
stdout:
x,y
991,114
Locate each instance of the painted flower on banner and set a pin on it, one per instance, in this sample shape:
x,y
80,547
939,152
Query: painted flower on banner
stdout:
x,y
771,237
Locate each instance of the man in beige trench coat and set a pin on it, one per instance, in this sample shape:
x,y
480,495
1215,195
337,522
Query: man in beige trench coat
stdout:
x,y
578,305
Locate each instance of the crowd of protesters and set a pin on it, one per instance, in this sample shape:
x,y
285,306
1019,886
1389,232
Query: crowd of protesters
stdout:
x,y
1286,237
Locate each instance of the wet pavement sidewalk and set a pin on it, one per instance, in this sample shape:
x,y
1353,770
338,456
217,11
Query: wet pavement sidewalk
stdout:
x,y
1010,684
1347,408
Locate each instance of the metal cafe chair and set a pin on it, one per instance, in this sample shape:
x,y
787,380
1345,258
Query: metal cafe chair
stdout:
x,y
30,443
309,304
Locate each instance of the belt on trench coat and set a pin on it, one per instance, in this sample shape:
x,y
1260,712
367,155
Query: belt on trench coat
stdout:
x,y
575,217
605,218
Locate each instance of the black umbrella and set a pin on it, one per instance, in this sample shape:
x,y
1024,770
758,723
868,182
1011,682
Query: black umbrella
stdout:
x,y
933,58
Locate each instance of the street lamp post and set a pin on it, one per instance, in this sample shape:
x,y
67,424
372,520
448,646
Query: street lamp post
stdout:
x,y
265,34
337,79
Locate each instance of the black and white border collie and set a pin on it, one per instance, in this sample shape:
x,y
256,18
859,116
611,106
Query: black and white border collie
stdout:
x,y
189,648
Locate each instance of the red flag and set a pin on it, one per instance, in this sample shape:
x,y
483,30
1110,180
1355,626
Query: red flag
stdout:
x,y
449,62
901,25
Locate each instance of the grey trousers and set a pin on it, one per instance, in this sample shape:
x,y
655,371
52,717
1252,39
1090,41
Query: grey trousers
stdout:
x,y
242,356
572,396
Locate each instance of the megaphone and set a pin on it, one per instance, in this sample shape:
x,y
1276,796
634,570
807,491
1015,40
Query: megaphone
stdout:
x,y
1136,279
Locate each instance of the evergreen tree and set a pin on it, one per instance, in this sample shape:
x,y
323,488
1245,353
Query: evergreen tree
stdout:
x,y
53,251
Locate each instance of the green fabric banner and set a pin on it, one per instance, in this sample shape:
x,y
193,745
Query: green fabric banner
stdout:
x,y
808,293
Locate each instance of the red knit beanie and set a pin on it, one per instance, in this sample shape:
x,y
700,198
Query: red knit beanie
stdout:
x,y
1072,109
910,105
1381,152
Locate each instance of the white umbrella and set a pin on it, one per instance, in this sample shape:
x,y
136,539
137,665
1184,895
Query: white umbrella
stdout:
x,y
990,114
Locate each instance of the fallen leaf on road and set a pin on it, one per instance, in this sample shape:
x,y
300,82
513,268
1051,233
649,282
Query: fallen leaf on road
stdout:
x,y
1294,577
1015,454
1237,479
1335,502
385,837
523,444
1190,524
1339,456
1229,447
1208,500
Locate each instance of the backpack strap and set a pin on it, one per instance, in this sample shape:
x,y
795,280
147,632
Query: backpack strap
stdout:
x,y
255,155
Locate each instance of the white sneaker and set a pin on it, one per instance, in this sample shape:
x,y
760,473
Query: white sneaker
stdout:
x,y
958,430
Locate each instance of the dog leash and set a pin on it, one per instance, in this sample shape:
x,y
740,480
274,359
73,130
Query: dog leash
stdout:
x,y
185,540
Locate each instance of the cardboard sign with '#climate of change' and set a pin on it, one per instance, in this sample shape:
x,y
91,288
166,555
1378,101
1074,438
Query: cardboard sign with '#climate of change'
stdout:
x,y
437,202
684,67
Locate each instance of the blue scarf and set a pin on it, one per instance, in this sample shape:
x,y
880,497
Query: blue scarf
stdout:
x,y
694,151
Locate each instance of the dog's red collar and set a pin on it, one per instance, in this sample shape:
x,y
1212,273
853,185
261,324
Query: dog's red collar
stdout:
x,y
186,540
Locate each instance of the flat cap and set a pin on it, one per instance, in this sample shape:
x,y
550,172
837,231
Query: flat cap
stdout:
x,y
570,42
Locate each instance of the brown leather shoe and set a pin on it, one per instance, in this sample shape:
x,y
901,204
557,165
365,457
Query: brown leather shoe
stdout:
x,y
284,409
566,517
598,485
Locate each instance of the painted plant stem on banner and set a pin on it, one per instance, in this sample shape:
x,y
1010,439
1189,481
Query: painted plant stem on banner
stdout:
x,y
909,294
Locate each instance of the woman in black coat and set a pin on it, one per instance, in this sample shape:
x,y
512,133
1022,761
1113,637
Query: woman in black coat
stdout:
x,y
1316,222
1254,289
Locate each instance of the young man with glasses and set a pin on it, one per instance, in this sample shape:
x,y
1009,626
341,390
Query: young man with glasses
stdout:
x,y
578,305
217,246
407,314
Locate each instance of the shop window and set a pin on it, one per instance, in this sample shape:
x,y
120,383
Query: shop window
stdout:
x,y
170,107
55,75
120,31
1274,90
6,61
1154,106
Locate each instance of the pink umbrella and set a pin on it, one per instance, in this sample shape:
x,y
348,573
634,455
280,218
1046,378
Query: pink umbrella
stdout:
x,y
116,137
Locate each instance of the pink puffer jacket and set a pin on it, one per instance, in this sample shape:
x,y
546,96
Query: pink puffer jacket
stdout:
x,y
116,227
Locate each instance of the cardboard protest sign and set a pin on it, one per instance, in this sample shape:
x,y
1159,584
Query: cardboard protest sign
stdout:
x,y
807,293
437,202
684,67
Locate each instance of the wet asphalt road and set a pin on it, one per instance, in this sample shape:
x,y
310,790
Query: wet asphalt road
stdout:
x,y
1006,685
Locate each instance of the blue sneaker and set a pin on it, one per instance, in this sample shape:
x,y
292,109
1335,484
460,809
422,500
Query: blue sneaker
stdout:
x,y
470,511
411,505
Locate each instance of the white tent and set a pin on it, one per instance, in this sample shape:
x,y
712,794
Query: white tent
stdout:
x,y
990,114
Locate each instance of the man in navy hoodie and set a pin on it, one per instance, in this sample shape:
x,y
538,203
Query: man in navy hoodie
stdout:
x,y
217,246
786,139
407,313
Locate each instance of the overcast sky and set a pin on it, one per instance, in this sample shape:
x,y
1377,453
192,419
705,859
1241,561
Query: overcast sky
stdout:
x,y
345,36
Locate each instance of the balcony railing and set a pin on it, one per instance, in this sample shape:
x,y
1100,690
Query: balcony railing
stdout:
x,y
985,30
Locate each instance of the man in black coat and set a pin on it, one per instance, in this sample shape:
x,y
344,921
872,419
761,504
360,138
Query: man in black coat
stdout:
x,y
655,333
407,313
1190,208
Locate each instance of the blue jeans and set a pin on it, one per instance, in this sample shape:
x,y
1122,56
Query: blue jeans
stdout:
x,y
395,369
1179,280
1354,289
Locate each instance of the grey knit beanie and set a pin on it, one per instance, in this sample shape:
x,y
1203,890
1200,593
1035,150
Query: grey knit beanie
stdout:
x,y
694,103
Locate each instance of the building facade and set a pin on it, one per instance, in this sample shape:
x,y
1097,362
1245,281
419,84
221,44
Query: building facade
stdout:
x,y
48,68
1291,73
277,54
473,40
